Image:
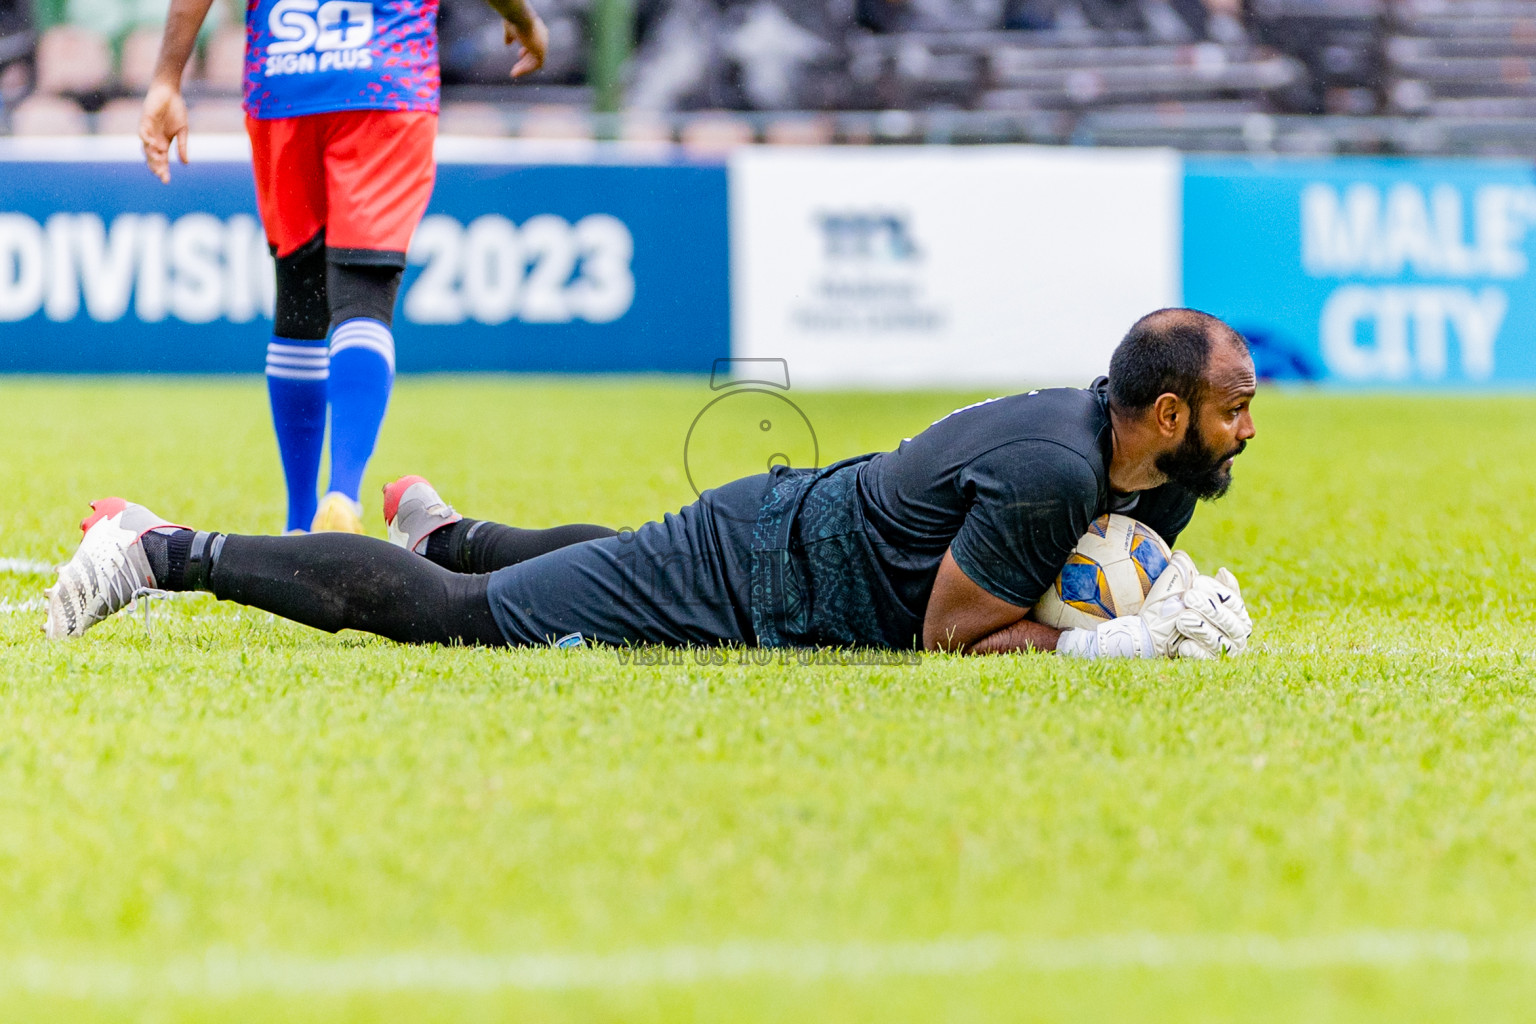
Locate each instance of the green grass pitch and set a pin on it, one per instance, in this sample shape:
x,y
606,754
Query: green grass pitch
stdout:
x,y
212,815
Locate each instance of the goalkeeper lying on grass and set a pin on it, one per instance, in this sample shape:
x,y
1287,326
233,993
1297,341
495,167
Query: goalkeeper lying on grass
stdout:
x,y
944,543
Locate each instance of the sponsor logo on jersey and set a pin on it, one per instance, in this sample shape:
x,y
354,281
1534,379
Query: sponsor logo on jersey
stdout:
x,y
310,37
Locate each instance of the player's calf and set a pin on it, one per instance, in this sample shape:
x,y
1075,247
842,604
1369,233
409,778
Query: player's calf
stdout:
x,y
419,520
328,581
362,362
298,372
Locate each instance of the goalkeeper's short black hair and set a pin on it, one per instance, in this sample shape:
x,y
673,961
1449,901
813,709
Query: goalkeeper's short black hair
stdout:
x,y
1166,351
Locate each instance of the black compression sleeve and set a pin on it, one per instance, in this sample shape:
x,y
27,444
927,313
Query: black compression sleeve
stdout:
x,y
302,311
362,291
335,581
480,546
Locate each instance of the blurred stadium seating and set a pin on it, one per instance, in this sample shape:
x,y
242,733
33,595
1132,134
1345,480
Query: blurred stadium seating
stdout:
x,y
1409,76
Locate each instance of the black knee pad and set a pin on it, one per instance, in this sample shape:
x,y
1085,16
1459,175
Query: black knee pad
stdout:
x,y
302,311
362,290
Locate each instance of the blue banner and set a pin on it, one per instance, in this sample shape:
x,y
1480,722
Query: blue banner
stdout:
x,y
1368,271
553,268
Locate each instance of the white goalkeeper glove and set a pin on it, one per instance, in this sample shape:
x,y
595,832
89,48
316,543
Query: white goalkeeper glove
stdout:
x,y
1221,622
1186,615
1125,637
1152,634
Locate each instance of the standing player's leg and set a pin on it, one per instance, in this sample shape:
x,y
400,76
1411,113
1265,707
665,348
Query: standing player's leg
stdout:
x,y
290,195
378,174
298,365
362,375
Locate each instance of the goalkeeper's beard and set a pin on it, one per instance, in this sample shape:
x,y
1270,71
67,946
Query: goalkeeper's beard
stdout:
x,y
1194,466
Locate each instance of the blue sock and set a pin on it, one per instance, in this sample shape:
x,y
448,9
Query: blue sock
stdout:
x,y
362,373
296,385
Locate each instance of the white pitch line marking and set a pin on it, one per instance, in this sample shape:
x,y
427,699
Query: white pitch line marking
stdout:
x,y
25,567
37,604
141,605
225,974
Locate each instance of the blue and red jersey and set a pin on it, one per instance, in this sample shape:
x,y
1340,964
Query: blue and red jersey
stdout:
x,y
314,57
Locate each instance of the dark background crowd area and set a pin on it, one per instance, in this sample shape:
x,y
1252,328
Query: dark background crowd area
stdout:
x,y
1297,75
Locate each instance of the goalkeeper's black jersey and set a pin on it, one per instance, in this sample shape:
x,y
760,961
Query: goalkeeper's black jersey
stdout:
x,y
848,554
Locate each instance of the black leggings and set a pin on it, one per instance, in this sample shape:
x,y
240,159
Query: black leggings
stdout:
x,y
335,581
479,545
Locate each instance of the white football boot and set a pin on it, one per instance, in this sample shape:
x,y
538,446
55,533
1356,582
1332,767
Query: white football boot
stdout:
x,y
413,511
109,568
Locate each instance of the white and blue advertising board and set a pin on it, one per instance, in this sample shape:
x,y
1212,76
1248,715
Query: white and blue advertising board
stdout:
x,y
1369,272
887,266
925,266
521,265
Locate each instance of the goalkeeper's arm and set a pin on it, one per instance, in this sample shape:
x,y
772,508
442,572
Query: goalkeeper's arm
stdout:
x,y
1185,615
962,617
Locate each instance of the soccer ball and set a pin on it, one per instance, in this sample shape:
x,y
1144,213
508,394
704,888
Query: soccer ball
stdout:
x,y
1107,575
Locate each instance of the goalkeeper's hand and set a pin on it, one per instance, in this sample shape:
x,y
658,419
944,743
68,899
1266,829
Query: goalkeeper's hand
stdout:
x,y
1185,615
1217,620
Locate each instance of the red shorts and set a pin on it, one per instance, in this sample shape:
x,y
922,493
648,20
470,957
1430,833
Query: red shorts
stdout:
x,y
364,176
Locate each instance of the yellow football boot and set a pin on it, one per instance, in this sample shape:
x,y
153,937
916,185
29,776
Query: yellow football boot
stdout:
x,y
338,514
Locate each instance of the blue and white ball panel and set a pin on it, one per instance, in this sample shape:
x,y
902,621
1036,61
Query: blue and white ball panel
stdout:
x,y
1150,556
1082,585
1108,574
